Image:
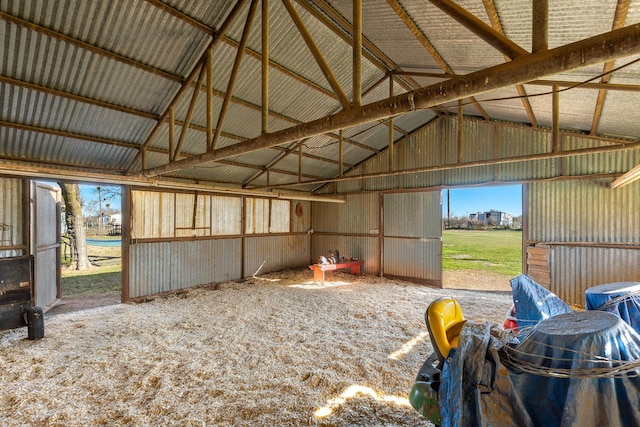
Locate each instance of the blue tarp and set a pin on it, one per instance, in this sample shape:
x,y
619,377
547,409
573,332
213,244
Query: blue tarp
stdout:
x,y
569,368
534,302
621,299
485,383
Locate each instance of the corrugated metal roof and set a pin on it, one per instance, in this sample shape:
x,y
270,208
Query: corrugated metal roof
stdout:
x,y
108,70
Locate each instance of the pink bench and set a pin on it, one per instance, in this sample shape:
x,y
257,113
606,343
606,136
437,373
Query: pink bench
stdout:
x,y
319,269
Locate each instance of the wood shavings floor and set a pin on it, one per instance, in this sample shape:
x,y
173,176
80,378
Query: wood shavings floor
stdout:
x,y
275,350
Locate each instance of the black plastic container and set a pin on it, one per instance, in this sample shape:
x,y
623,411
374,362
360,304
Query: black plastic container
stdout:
x,y
35,323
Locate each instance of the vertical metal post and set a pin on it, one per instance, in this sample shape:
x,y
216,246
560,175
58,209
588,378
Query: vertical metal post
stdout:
x,y
539,26
555,123
391,130
300,162
265,66
172,138
460,130
125,228
209,65
340,145
357,53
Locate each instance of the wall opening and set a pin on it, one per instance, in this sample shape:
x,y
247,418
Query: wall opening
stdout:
x,y
482,237
100,283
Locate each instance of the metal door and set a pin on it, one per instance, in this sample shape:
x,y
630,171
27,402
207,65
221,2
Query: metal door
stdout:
x,y
412,230
46,243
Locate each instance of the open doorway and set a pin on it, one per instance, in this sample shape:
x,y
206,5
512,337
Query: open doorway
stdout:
x,y
482,237
97,280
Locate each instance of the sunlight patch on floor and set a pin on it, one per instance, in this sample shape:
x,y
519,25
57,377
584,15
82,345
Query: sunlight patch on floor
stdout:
x,y
356,391
408,346
311,285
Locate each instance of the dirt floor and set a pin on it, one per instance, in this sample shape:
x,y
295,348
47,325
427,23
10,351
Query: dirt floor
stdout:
x,y
273,350
68,304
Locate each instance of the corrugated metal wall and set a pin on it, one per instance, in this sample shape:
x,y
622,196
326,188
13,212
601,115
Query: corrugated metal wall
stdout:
x,y
413,236
411,242
168,266
353,228
181,240
276,252
365,248
602,225
593,231
11,216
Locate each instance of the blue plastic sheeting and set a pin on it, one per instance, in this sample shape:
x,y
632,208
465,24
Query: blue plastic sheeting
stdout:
x,y
621,299
534,302
475,387
489,380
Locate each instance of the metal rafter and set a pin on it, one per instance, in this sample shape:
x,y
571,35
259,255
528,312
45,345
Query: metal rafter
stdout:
x,y
91,48
234,72
492,13
490,35
313,48
281,68
619,18
187,84
192,105
380,59
424,41
612,146
78,98
182,16
540,26
594,50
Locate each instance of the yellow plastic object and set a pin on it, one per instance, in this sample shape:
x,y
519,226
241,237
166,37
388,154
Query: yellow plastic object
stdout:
x,y
444,322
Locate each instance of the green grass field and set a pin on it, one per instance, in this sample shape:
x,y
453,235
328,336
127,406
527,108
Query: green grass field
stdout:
x,y
93,282
103,278
498,251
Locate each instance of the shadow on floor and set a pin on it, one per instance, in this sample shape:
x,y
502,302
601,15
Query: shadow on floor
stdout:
x,y
69,304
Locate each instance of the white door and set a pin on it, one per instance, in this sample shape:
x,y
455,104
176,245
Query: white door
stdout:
x,y
46,243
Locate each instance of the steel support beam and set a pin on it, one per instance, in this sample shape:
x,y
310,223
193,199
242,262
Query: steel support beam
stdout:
x,y
594,50
479,28
619,18
313,48
492,13
234,72
357,53
627,178
230,18
424,41
540,26
265,66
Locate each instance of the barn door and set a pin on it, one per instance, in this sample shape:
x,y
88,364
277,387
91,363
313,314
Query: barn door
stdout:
x,y
46,243
412,236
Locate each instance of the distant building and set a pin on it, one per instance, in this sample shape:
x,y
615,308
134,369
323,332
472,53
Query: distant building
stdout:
x,y
493,217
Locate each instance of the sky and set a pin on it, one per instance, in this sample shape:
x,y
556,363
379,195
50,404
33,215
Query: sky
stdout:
x,y
89,196
505,198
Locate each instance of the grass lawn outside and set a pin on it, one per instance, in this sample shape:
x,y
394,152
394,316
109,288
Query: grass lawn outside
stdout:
x,y
498,251
103,278
92,282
